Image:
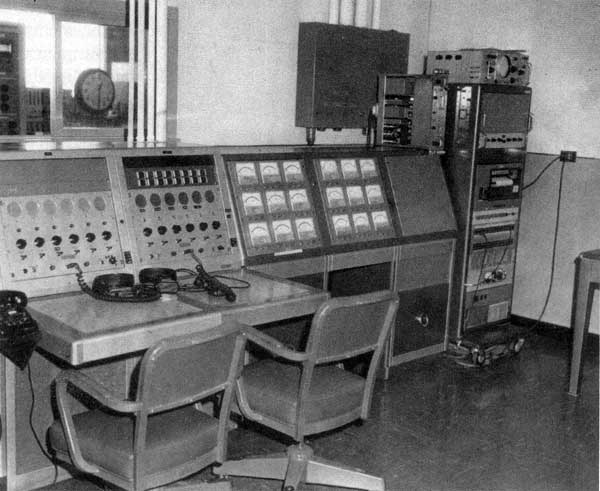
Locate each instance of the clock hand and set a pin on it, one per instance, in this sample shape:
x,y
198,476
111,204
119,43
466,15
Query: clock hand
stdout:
x,y
99,94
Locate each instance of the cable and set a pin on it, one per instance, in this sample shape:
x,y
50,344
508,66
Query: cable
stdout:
x,y
35,435
553,263
540,174
241,284
479,282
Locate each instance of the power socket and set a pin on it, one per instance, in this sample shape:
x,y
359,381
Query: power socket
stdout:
x,y
568,156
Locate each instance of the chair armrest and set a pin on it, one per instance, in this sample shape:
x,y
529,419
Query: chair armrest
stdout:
x,y
100,393
273,346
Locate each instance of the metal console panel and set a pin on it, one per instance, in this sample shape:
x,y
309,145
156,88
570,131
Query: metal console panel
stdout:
x,y
55,211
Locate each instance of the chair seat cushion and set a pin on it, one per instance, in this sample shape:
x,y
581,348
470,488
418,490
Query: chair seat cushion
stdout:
x,y
271,389
173,438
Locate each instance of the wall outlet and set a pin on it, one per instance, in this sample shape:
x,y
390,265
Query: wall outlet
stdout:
x,y
568,156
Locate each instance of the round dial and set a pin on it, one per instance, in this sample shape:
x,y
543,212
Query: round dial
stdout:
x,y
503,66
94,90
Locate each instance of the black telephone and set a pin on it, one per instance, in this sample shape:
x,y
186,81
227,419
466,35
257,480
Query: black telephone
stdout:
x,y
19,332
119,287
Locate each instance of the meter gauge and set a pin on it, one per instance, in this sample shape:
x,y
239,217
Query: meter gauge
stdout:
x,y
276,201
335,197
341,225
380,220
246,173
349,169
253,203
292,171
269,172
368,168
282,231
329,170
259,233
361,222
355,195
502,66
299,200
374,194
305,228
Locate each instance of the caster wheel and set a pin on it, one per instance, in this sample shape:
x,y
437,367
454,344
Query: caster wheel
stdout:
x,y
519,345
480,358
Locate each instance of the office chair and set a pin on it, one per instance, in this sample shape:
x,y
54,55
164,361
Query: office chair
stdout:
x,y
158,437
304,393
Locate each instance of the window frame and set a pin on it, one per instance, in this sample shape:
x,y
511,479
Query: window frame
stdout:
x,y
105,13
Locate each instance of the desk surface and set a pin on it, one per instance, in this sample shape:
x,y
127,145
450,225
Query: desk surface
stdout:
x,y
268,299
79,329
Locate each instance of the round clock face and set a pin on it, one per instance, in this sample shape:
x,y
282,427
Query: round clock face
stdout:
x,y
502,66
94,90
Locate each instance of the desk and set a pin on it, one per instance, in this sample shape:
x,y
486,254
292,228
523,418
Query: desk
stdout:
x,y
106,339
588,280
79,329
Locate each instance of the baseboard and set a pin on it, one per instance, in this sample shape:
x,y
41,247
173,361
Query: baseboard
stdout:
x,y
592,340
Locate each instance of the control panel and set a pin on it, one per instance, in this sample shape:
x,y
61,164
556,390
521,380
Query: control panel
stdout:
x,y
55,212
12,81
354,199
175,206
411,110
480,66
275,205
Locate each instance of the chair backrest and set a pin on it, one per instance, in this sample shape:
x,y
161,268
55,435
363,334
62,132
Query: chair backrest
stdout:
x,y
344,327
181,370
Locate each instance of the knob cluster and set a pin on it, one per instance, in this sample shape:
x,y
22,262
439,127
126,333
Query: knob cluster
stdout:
x,y
57,240
170,199
177,228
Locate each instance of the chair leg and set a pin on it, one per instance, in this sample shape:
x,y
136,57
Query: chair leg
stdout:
x,y
299,465
198,486
299,457
320,471
268,467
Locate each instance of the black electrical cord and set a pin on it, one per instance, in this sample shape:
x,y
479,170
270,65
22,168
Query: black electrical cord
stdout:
x,y
33,430
231,282
554,242
526,186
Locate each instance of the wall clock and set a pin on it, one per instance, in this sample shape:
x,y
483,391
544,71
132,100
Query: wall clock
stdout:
x,y
95,91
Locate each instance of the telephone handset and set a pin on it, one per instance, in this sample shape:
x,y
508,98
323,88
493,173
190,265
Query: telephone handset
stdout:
x,y
19,332
119,287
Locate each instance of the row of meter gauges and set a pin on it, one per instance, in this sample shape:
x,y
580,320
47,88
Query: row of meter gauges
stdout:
x,y
291,204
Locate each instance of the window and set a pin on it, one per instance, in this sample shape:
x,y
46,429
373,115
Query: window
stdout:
x,y
64,70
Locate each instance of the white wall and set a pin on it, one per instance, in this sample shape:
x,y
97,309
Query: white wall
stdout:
x,y
237,68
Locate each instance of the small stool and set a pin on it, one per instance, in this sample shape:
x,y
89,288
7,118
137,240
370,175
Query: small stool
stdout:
x,y
588,280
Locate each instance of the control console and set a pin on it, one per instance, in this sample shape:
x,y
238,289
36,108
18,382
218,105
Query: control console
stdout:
x,y
175,206
55,212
